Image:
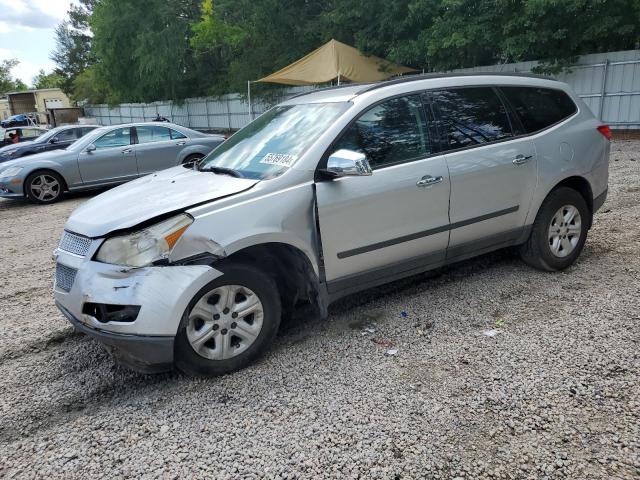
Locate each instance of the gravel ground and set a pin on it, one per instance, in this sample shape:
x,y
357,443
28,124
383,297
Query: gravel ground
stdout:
x,y
555,393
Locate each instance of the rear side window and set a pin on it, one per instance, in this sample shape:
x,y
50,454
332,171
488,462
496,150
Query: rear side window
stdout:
x,y
392,132
471,116
539,108
175,135
152,134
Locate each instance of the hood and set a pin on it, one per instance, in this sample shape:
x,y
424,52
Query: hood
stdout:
x,y
170,190
48,155
14,146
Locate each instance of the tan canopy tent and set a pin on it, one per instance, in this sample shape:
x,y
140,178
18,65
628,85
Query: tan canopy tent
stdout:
x,y
335,60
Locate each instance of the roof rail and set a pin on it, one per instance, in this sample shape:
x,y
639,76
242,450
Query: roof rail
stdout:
x,y
427,76
333,87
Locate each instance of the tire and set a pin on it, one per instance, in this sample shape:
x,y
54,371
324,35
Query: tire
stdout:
x,y
44,186
191,159
228,346
555,244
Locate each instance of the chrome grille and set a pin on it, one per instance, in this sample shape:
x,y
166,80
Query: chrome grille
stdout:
x,y
65,277
73,243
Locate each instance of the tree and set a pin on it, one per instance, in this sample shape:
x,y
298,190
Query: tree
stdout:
x,y
119,50
47,80
144,49
73,54
7,82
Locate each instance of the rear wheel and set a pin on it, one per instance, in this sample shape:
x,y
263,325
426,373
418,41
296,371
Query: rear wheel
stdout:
x,y
229,323
559,231
44,187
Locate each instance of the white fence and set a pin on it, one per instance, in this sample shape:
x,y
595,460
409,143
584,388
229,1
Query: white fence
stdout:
x,y
609,83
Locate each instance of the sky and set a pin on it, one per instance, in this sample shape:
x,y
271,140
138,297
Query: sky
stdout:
x,y
27,34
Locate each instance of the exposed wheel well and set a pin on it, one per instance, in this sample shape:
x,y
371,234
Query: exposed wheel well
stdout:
x,y
582,186
189,158
292,271
44,170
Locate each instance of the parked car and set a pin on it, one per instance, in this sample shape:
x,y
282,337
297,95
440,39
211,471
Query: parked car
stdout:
x,y
55,139
106,156
20,120
327,194
25,134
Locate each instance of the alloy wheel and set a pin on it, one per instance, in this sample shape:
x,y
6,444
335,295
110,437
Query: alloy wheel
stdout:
x,y
225,322
565,230
45,187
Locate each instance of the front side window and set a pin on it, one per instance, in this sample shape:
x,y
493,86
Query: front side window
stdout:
x,y
471,116
65,136
392,132
151,134
272,143
119,137
30,133
539,108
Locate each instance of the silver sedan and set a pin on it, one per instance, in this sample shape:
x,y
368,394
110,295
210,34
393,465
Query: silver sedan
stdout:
x,y
105,157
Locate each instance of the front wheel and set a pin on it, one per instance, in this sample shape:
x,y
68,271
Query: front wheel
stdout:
x,y
44,187
559,231
229,323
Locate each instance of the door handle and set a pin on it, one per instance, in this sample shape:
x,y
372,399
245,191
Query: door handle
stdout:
x,y
428,180
180,143
127,150
521,159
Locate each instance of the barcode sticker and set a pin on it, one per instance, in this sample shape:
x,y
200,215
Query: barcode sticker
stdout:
x,y
282,159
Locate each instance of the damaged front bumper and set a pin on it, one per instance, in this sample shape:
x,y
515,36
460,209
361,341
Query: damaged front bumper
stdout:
x,y
148,302
144,353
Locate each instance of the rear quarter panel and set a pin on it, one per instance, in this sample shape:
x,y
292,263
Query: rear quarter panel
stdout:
x,y
200,145
571,148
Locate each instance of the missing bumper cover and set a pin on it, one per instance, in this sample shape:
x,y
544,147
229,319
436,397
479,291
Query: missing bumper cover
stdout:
x,y
104,312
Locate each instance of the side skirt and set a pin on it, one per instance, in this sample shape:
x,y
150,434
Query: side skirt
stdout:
x,y
344,286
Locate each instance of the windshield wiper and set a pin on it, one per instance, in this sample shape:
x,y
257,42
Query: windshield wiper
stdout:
x,y
223,171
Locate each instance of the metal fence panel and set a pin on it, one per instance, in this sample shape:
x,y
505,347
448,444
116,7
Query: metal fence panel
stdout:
x,y
609,83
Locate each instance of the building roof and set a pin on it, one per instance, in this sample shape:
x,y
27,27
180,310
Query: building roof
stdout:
x,y
36,90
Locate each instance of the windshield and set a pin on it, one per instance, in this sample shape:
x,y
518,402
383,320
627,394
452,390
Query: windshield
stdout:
x,y
44,138
274,141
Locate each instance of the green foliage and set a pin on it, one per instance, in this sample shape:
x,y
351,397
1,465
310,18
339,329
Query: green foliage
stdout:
x,y
7,82
144,49
73,54
173,49
47,80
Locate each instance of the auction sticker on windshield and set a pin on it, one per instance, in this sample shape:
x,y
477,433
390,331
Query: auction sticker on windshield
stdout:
x,y
281,159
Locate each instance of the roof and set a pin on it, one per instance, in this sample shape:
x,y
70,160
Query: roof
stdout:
x,y
36,90
349,91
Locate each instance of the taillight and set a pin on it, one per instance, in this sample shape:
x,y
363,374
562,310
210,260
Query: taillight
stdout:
x,y
605,130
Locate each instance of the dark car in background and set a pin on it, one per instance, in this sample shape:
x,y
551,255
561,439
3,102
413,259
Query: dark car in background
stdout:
x,y
16,121
25,134
55,139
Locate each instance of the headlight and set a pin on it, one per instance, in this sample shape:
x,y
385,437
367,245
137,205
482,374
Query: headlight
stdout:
x,y
10,172
146,246
8,153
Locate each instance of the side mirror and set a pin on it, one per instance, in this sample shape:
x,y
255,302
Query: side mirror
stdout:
x,y
53,140
90,148
347,163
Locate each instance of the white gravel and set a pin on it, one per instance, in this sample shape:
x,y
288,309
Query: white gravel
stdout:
x,y
552,392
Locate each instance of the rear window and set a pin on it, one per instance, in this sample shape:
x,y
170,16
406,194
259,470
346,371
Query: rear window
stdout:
x,y
539,108
471,116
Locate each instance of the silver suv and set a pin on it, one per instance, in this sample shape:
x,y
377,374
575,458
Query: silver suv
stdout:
x,y
327,194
